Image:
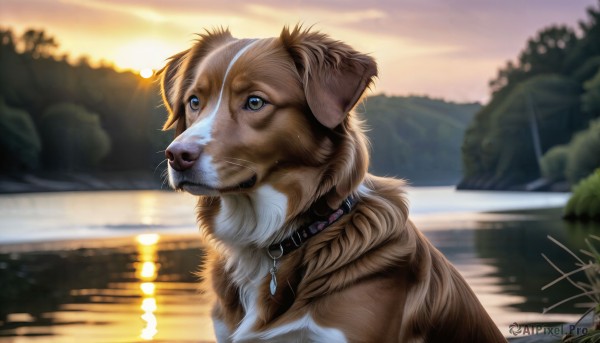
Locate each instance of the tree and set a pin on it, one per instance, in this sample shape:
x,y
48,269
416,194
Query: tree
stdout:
x,y
545,53
113,108
590,100
589,43
554,84
38,44
499,146
7,39
554,162
584,154
20,145
73,138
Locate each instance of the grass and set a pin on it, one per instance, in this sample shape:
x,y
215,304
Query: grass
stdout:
x,y
589,264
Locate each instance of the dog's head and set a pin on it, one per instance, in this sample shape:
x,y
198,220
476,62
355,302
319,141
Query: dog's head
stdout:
x,y
275,111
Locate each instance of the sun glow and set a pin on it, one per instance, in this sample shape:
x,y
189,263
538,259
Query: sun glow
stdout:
x,y
146,73
148,239
144,55
148,288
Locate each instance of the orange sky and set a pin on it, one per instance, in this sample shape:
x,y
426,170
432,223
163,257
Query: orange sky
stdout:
x,y
440,48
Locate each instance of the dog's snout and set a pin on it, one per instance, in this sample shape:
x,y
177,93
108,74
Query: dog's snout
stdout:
x,y
182,156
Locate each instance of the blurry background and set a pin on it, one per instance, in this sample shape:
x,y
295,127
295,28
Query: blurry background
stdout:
x,y
479,95
79,108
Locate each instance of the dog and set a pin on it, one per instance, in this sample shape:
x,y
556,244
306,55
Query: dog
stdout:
x,y
306,245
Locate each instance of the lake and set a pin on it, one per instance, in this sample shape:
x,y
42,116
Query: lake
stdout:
x,y
119,266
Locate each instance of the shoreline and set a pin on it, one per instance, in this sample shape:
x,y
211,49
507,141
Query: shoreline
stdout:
x,y
78,182
85,216
43,182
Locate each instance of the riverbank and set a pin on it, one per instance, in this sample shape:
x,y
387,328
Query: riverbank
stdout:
x,y
488,183
71,182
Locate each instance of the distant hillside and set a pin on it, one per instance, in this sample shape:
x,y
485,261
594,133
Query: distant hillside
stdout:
x,y
417,138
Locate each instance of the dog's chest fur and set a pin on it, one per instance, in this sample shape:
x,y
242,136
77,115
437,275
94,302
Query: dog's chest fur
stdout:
x,y
241,275
240,279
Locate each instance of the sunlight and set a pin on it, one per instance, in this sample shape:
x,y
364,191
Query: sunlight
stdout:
x,y
148,238
149,331
146,270
148,288
146,73
143,55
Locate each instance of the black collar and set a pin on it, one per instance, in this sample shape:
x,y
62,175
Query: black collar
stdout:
x,y
301,235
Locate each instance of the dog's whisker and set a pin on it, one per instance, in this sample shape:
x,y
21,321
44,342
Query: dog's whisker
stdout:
x,y
240,165
239,159
158,165
164,176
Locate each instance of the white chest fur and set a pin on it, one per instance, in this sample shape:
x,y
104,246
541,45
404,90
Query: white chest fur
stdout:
x,y
304,330
250,221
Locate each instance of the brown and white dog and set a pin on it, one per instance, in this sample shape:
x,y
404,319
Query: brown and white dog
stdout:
x,y
266,138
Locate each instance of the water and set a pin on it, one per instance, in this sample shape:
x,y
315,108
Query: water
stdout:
x,y
119,266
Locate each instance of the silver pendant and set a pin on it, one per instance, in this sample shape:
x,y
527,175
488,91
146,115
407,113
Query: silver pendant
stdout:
x,y
273,270
273,284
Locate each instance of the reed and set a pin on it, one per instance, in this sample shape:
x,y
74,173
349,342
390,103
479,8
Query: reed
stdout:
x,y
588,264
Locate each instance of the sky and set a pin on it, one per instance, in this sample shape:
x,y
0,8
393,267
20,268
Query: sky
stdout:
x,y
446,49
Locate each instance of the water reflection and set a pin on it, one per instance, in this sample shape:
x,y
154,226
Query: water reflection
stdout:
x,y
146,271
149,307
136,290
141,288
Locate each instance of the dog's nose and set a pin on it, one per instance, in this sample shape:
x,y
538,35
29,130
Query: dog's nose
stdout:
x,y
182,156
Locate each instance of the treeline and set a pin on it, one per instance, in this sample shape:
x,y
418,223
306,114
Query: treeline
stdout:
x,y
417,138
63,118
540,120
70,117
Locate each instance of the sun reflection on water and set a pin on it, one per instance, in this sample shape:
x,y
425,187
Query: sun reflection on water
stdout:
x,y
148,288
146,271
149,307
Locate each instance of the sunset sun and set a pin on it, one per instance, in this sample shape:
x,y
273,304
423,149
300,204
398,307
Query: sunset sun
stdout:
x,y
146,73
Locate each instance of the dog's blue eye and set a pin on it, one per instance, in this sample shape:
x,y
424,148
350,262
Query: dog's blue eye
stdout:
x,y
255,103
194,103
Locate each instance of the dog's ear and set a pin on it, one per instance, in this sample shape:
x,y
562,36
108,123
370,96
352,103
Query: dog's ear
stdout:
x,y
177,75
333,74
168,88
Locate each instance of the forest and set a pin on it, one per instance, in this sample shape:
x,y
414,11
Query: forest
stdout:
x,y
541,128
68,125
62,120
